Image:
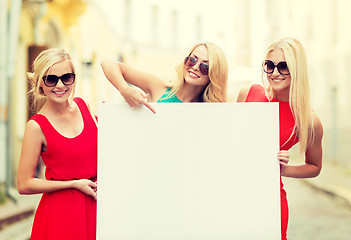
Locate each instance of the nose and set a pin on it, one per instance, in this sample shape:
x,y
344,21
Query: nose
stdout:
x,y
197,65
275,71
60,83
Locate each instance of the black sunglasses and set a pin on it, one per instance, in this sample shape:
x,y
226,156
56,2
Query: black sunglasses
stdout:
x,y
52,80
282,67
190,61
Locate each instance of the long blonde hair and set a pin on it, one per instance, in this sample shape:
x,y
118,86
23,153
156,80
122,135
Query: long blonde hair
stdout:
x,y
41,66
299,93
215,91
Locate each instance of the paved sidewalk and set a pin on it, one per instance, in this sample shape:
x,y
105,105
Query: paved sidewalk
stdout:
x,y
11,212
333,180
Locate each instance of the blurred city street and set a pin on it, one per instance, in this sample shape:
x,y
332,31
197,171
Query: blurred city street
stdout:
x,y
314,214
153,36
18,231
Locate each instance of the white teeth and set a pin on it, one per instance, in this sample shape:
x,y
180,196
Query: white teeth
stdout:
x,y
59,92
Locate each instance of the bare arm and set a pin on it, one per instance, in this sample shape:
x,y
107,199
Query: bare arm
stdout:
x,y
120,75
313,157
27,183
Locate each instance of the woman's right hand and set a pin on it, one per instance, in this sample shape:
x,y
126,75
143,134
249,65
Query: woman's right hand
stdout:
x,y
283,158
135,97
121,75
86,186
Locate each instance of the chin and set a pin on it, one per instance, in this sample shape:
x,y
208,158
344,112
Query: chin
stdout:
x,y
59,99
196,82
281,89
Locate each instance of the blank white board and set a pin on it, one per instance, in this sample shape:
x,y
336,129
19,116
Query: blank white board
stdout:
x,y
192,171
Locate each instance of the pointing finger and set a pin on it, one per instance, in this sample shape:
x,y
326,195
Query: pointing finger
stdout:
x,y
150,107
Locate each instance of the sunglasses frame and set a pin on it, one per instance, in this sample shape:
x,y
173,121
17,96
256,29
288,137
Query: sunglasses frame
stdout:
x,y
193,63
59,78
275,66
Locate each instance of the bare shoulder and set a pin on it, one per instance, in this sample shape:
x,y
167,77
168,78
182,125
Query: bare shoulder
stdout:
x,y
157,92
317,126
34,131
33,126
243,94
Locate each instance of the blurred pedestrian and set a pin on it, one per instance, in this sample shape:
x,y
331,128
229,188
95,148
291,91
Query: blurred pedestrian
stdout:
x,y
64,134
202,77
285,81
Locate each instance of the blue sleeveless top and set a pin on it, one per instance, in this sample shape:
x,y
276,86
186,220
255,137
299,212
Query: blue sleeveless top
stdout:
x,y
165,97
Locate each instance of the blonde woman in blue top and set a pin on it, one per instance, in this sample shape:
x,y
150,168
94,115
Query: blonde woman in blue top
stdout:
x,y
202,77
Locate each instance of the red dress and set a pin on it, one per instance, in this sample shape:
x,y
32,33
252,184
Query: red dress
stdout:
x,y
286,127
67,214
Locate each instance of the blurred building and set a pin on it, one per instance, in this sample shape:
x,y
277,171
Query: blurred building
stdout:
x,y
155,35
244,29
30,26
322,27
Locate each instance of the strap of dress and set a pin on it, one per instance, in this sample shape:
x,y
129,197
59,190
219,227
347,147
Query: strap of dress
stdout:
x,y
84,110
164,95
49,130
256,94
44,124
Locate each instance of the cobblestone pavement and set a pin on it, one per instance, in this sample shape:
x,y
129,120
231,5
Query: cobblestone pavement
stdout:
x,y
315,214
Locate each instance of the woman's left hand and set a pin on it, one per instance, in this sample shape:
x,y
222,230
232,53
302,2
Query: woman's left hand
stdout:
x,y
86,186
283,157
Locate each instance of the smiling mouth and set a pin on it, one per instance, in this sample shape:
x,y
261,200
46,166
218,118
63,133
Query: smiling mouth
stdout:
x,y
193,75
59,92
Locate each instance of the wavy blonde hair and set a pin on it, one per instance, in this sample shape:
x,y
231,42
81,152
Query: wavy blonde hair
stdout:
x,y
215,91
299,93
41,66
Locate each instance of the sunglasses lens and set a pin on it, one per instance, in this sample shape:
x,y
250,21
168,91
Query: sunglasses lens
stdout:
x,y
204,69
283,68
190,61
269,66
68,78
50,80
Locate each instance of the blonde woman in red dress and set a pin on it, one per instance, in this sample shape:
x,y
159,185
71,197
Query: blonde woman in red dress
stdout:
x,y
64,134
285,81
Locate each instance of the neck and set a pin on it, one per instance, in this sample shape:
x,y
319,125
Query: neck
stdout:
x,y
57,108
191,93
281,95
